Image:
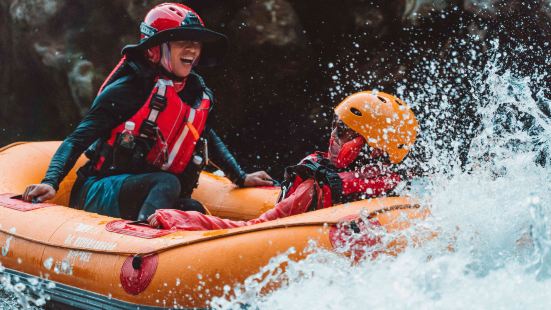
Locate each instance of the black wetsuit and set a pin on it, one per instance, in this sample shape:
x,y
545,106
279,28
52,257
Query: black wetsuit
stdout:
x,y
121,99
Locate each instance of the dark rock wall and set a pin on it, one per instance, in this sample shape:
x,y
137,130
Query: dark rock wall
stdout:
x,y
288,63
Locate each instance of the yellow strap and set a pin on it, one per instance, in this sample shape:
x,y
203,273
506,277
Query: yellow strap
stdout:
x,y
193,130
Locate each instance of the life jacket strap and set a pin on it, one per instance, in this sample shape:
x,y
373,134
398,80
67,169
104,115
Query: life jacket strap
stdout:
x,y
148,129
158,103
320,170
193,130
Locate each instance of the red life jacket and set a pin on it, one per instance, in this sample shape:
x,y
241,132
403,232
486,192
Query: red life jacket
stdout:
x,y
338,187
171,127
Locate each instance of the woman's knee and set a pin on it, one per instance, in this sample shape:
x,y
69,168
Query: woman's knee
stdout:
x,y
166,182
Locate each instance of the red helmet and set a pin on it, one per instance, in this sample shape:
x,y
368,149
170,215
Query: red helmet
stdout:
x,y
174,22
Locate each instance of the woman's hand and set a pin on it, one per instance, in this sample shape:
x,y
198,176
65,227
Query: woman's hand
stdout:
x,y
39,193
259,178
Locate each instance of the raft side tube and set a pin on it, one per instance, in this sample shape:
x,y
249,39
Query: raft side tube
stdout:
x,y
223,257
53,225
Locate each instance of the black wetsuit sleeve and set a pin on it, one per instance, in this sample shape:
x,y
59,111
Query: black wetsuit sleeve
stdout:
x,y
223,158
118,102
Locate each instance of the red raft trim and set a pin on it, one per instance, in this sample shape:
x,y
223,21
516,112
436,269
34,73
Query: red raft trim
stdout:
x,y
125,227
137,272
351,237
7,201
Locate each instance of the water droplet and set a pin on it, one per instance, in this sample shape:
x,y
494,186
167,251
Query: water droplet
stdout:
x,y
48,263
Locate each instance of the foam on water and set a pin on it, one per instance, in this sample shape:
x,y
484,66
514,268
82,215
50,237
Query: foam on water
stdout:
x,y
488,187
23,293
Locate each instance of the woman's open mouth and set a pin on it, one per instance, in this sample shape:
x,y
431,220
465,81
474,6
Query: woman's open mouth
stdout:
x,y
187,60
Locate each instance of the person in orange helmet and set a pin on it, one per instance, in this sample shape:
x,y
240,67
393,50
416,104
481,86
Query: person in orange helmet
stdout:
x,y
371,133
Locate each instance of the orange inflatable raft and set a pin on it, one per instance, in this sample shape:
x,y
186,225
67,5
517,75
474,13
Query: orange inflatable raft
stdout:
x,y
99,262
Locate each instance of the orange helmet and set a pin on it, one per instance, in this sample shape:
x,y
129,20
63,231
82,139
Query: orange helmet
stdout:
x,y
385,122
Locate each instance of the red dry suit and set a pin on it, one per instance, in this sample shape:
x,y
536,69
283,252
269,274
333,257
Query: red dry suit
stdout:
x,y
315,185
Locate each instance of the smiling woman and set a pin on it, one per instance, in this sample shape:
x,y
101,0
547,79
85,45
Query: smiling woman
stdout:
x,y
179,57
147,131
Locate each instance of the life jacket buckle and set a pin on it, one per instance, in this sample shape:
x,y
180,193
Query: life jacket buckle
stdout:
x,y
148,129
158,102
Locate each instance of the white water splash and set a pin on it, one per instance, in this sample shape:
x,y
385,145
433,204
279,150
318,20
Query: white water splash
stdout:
x,y
23,293
491,210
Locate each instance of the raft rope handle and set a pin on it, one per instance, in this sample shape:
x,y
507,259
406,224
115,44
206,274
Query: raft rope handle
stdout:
x,y
186,243
209,162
